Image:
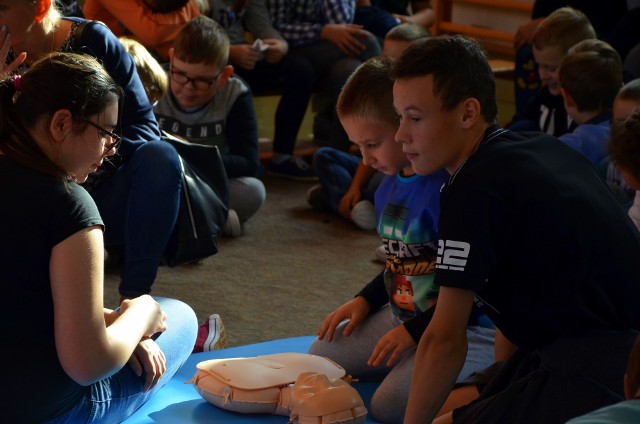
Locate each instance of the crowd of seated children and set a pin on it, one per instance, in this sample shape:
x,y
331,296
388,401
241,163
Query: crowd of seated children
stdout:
x,y
206,104
550,42
590,77
376,332
606,18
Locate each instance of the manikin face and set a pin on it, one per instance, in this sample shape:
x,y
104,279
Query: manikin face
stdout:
x,y
377,145
185,91
83,153
429,135
549,60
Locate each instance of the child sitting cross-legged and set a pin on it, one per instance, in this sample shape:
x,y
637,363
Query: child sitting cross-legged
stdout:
x,y
376,332
207,105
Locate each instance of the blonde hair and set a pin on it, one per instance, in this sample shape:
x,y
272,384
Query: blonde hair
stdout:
x,y
153,76
563,28
368,93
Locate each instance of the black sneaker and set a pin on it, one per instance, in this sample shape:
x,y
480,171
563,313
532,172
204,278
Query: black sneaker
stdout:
x,y
294,168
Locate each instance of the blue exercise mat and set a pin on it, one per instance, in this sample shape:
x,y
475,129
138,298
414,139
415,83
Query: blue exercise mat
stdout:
x,y
178,402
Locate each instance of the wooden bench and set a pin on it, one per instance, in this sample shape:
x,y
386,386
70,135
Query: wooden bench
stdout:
x,y
497,42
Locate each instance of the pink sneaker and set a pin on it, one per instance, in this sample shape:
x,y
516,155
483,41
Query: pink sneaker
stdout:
x,y
211,335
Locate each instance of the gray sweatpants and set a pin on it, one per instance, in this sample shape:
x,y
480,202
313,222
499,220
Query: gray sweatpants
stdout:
x,y
390,399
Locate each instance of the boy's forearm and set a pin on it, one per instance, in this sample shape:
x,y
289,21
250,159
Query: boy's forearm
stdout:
x,y
436,367
362,176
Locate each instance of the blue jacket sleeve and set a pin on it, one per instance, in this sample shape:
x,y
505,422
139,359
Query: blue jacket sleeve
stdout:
x,y
242,160
137,121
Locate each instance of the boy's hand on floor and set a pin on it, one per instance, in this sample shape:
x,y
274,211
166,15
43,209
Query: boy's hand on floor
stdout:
x,y
354,310
392,345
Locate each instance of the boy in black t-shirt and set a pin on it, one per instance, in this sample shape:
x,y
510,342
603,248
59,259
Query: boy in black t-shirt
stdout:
x,y
529,232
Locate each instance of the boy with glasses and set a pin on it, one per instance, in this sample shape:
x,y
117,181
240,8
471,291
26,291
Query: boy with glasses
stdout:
x,y
207,105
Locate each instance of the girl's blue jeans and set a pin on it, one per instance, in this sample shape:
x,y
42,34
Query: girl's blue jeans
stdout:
x,y
114,399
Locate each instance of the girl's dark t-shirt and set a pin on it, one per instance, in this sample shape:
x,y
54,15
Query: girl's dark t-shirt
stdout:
x,y
37,212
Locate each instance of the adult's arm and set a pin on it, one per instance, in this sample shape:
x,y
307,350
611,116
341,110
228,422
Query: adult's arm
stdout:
x,y
440,355
305,30
243,159
258,22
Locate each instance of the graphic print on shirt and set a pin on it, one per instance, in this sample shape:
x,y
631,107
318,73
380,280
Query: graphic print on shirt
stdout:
x,y
206,131
411,259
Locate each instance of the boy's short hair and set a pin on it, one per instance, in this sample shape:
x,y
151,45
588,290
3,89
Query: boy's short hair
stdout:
x,y
459,67
407,32
202,40
624,149
633,369
153,76
591,73
630,91
368,93
563,28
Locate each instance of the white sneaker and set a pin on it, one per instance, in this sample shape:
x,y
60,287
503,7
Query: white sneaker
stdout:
x,y
363,215
381,254
232,227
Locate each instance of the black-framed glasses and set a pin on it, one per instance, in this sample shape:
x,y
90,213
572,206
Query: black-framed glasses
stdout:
x,y
117,140
198,83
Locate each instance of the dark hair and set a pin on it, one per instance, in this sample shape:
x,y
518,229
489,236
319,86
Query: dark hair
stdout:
x,y
624,145
57,81
591,73
459,68
202,40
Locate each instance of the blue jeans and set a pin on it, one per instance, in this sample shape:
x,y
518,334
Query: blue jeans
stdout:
x,y
139,205
335,170
115,398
